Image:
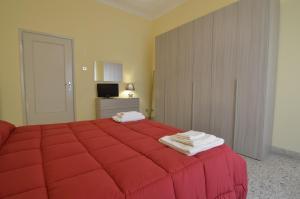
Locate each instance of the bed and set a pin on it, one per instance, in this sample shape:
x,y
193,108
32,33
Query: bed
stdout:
x,y
102,159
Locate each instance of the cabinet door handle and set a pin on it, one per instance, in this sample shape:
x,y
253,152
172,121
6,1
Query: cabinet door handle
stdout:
x,y
68,84
235,110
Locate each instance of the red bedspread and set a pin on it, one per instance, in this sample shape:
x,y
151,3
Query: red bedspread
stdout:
x,y
103,159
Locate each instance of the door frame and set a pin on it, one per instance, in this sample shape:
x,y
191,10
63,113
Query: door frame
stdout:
x,y
22,79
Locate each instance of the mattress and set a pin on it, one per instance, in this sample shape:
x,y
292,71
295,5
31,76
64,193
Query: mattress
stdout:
x,y
102,159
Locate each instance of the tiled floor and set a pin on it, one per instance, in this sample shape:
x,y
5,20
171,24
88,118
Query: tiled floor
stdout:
x,y
277,177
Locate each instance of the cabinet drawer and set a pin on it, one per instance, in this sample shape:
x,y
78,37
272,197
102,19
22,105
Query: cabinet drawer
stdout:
x,y
107,113
106,108
117,103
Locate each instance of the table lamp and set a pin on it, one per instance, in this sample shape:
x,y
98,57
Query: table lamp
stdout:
x,y
130,87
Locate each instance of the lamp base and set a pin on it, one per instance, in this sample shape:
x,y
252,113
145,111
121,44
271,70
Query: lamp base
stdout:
x,y
130,95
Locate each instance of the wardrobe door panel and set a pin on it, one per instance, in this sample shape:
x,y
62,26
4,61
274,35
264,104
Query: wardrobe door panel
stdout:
x,y
252,68
224,73
202,68
184,77
159,78
171,78
269,101
178,90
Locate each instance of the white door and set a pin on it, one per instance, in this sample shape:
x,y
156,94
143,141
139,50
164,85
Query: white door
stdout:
x,y
48,78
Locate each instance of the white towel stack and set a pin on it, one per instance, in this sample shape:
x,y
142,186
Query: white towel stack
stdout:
x,y
191,142
128,116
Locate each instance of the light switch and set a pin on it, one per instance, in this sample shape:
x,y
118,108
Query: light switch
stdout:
x,y
84,68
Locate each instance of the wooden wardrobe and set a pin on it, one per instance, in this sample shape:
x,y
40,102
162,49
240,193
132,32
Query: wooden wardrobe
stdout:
x,y
217,74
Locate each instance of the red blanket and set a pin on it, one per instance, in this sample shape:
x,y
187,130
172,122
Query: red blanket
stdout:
x,y
103,159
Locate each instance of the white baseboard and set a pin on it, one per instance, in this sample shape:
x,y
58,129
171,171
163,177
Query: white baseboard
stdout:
x,y
286,152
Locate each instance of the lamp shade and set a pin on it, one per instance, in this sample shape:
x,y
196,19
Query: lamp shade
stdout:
x,y
130,87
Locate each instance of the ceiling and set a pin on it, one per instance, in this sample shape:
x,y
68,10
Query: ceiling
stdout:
x,y
150,9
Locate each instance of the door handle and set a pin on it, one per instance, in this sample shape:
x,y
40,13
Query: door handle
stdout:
x,y
69,84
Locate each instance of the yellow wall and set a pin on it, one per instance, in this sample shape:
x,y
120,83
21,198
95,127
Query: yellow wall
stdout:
x,y
287,110
99,32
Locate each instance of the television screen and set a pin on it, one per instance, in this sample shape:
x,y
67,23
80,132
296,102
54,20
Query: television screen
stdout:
x,y
108,90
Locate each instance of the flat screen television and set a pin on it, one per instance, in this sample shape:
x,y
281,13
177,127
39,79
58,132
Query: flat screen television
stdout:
x,y
108,90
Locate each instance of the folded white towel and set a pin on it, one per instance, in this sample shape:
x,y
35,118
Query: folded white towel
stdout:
x,y
129,114
203,140
128,117
190,135
189,150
